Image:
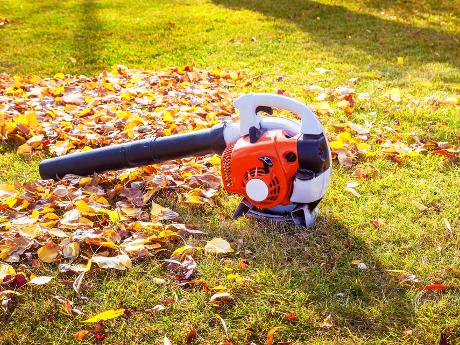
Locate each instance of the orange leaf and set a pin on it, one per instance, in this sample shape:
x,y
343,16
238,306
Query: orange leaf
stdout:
x,y
291,317
377,223
271,335
435,286
80,335
444,153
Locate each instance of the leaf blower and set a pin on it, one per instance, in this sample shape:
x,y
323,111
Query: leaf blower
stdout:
x,y
281,167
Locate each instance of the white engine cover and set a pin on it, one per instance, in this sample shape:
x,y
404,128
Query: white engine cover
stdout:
x,y
306,191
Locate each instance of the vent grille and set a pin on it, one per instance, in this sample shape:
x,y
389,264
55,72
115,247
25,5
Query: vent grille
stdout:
x,y
227,166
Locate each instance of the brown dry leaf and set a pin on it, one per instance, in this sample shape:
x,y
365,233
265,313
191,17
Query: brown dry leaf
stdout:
x,y
158,212
327,322
191,336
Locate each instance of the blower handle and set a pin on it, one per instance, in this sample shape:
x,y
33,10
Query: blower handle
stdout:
x,y
248,104
137,153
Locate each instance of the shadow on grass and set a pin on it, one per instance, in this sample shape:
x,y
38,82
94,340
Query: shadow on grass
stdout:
x,y
87,38
320,264
343,31
415,7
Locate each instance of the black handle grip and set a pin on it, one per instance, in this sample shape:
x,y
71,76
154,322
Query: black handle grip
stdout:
x,y
137,153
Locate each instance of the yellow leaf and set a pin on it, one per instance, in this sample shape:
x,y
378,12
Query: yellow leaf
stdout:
x,y
182,251
5,270
395,95
322,108
214,160
32,230
106,315
167,116
59,75
109,86
400,60
363,146
235,276
24,149
233,75
7,191
49,252
194,199
84,208
345,137
336,144
113,215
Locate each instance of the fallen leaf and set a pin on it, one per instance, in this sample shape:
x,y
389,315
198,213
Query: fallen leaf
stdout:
x,y
120,262
435,286
218,246
377,223
327,322
49,252
221,298
76,285
80,335
105,315
158,212
71,251
41,280
158,308
166,341
6,270
271,335
191,336
420,206
291,317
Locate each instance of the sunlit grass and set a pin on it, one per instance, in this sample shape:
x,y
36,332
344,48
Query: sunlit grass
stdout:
x,y
309,273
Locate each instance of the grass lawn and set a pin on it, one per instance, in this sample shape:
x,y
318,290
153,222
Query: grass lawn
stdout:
x,y
309,273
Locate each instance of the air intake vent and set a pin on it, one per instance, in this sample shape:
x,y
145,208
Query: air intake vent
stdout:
x,y
226,166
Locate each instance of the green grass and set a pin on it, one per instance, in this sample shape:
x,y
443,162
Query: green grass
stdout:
x,y
305,272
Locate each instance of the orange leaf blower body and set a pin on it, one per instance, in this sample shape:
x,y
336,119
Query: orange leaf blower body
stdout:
x,y
272,160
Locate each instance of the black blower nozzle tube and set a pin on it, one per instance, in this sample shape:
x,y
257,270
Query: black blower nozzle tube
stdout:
x,y
137,153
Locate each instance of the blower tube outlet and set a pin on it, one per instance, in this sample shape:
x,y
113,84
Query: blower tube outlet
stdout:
x,y
137,153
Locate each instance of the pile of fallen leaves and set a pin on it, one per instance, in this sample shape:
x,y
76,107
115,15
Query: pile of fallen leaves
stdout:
x,y
106,220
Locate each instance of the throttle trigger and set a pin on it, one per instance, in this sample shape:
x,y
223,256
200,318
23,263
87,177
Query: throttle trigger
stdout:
x,y
254,134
